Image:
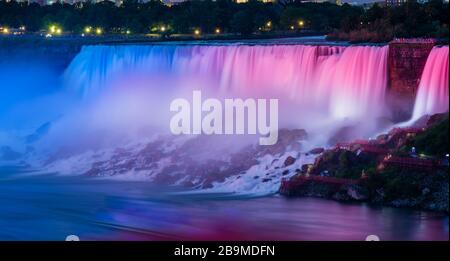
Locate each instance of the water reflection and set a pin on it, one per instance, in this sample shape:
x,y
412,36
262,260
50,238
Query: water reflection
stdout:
x,y
50,208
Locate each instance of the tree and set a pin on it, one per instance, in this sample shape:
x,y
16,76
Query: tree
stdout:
x,y
242,22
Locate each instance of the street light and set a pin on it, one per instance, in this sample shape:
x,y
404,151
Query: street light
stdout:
x,y
87,29
98,31
217,30
301,23
5,30
269,23
163,28
197,32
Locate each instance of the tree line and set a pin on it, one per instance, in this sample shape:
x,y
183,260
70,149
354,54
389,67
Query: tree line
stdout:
x,y
345,21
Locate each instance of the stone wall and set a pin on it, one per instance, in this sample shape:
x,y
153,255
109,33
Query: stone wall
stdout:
x,y
405,62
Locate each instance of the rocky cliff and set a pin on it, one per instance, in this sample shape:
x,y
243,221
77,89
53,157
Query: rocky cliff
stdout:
x,y
405,64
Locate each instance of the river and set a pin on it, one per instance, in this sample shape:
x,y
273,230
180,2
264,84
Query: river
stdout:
x,y
51,207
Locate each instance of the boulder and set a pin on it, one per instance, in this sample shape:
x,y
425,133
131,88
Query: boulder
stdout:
x,y
316,151
289,161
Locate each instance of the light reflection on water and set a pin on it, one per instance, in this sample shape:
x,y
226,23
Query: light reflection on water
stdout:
x,y
50,208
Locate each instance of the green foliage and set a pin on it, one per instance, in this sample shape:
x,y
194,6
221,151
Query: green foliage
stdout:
x,y
414,187
434,141
345,164
412,19
419,188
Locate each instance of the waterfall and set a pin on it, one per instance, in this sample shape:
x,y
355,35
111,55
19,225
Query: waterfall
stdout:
x,y
340,81
432,96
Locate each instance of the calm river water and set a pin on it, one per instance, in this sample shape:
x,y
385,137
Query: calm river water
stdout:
x,y
50,207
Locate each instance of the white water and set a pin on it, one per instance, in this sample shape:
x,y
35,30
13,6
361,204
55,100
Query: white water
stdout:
x,y
338,82
432,96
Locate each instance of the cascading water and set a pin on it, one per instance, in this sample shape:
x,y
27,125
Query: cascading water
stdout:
x,y
329,91
432,96
340,82
123,96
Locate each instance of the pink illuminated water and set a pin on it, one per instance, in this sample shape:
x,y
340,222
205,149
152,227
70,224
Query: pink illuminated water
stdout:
x,y
339,82
432,96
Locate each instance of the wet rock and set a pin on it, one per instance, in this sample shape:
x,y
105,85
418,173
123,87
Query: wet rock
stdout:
x,y
286,139
304,168
316,151
382,137
436,118
357,192
344,134
289,161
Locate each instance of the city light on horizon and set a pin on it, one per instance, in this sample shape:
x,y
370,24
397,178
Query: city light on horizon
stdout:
x,y
54,29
